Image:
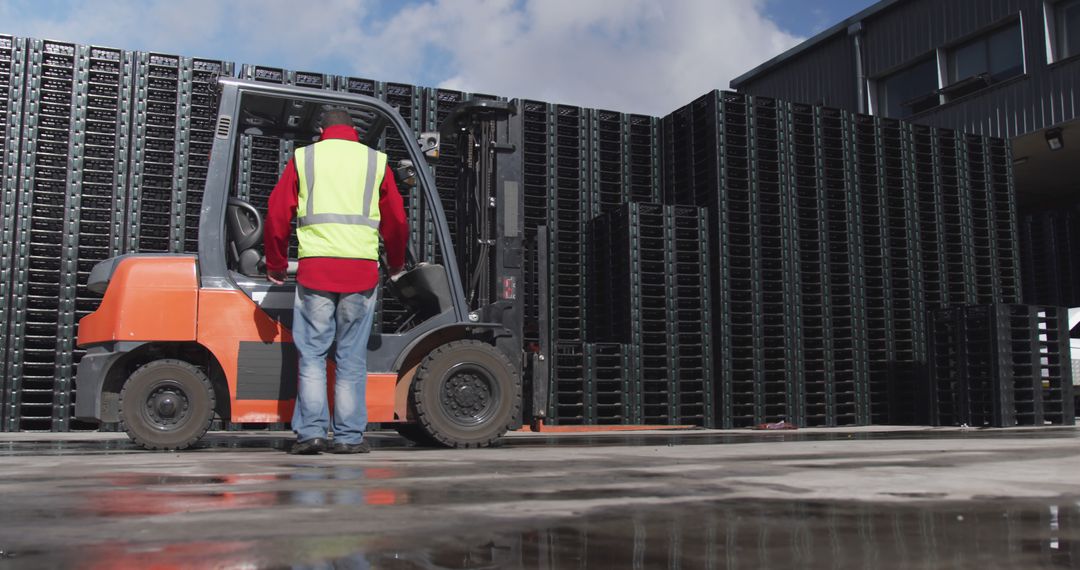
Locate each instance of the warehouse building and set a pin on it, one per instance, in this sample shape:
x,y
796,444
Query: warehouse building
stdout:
x,y
1003,68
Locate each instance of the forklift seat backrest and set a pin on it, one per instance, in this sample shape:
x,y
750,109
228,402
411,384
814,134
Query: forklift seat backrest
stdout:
x,y
425,289
244,228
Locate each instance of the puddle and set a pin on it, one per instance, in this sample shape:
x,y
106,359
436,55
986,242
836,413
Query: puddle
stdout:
x,y
744,534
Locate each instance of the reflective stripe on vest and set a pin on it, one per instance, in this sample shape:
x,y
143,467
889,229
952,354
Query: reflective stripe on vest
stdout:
x,y
338,209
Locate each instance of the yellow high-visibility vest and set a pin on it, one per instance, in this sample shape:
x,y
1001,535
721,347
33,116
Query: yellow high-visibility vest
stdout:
x,y
338,210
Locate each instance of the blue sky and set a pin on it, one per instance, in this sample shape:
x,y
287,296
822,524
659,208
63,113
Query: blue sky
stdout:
x,y
645,56
806,18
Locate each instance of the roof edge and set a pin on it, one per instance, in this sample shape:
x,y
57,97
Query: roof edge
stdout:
x,y
814,40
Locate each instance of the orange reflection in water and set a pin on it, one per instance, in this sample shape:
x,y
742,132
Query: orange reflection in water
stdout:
x,y
180,556
135,494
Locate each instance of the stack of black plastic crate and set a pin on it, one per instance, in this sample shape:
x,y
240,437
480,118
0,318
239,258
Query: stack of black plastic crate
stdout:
x,y
607,170
926,168
981,212
535,128
161,108
955,227
624,164
68,217
100,200
1050,244
1000,366
847,372
830,327
873,218
722,152
611,392
690,316
39,230
12,78
891,394
778,278
648,296
641,146
834,234
204,110
628,305
579,164
567,212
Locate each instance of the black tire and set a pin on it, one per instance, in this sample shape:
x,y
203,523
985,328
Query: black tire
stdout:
x,y
167,404
466,393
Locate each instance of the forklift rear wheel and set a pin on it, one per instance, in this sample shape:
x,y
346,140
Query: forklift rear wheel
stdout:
x,y
167,404
466,394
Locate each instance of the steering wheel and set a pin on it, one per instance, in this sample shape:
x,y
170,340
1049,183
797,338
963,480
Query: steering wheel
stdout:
x,y
384,265
245,224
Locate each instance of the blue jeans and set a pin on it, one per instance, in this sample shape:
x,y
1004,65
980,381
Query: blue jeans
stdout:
x,y
320,319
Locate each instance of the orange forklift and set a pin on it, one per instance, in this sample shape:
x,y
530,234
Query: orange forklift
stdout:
x,y
182,339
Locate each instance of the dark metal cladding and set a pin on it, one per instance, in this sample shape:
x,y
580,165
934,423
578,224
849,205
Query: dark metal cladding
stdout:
x,y
823,75
895,34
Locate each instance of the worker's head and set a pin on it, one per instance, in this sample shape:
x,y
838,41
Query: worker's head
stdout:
x,y
331,117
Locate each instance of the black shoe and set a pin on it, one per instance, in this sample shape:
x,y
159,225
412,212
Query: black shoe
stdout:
x,y
309,447
361,447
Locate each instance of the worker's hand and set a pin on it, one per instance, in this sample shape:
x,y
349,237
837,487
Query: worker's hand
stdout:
x,y
276,277
396,272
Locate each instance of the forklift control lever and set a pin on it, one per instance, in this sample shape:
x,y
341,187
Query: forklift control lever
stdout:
x,y
406,173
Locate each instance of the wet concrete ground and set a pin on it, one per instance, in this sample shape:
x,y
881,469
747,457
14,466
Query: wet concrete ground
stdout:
x,y
851,498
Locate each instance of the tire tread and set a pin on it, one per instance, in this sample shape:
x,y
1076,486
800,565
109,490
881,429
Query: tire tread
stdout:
x,y
423,416
197,374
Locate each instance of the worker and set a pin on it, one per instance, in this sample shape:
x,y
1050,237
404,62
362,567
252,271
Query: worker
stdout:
x,y
329,187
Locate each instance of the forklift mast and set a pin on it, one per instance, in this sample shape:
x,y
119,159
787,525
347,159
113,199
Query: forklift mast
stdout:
x,y
489,237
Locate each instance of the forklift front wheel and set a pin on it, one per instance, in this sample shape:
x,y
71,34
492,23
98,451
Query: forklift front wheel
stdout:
x,y
167,404
466,394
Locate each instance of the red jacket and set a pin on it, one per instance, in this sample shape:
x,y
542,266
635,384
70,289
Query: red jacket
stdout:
x,y
330,273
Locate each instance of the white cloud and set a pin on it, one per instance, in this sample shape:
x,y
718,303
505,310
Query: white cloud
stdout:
x,y
632,55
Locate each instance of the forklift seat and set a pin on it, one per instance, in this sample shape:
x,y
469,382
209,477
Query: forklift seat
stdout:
x,y
244,227
424,289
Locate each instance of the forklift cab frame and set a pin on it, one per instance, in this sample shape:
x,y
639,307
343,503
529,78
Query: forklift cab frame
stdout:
x,y
288,112
179,338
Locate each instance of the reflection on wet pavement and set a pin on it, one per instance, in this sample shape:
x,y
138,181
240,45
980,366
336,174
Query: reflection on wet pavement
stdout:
x,y
778,535
917,499
759,534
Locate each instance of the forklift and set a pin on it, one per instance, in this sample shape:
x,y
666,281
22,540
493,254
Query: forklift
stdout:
x,y
181,340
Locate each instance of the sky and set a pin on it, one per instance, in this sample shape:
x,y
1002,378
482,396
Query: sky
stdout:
x,y
637,56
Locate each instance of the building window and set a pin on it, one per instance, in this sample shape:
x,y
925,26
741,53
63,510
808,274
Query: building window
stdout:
x,y
909,91
987,59
1067,28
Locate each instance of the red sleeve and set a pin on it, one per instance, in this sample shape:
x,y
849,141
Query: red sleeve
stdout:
x,y
392,225
279,216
